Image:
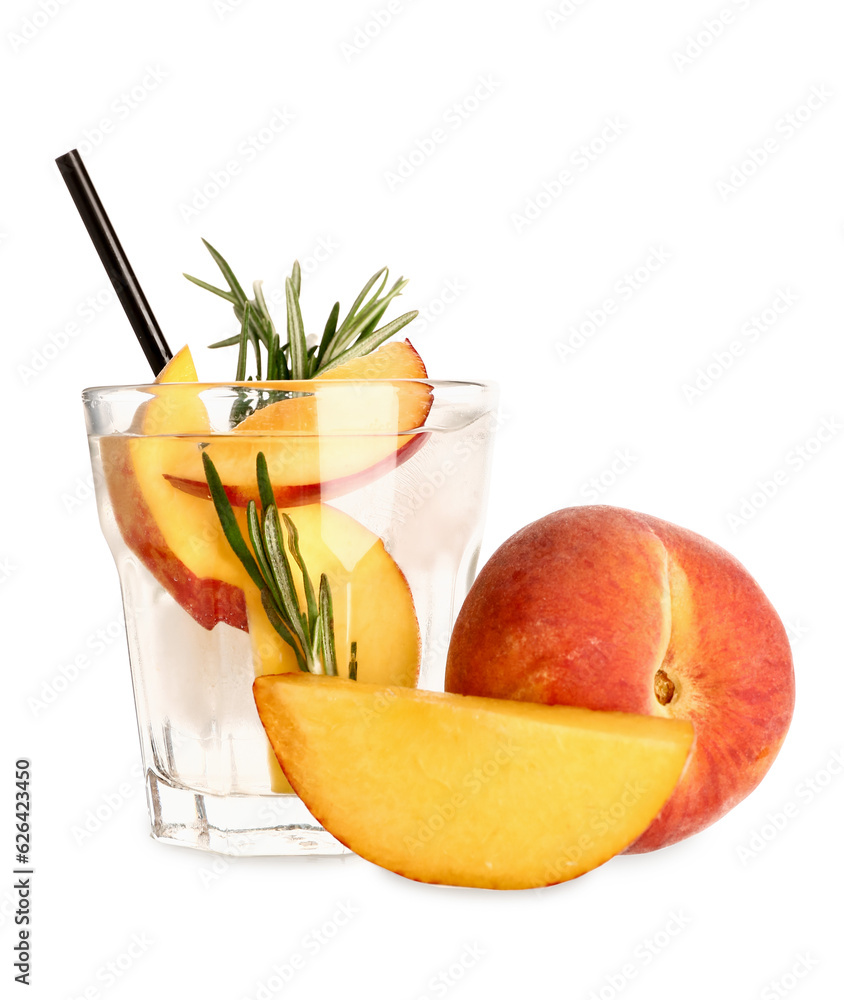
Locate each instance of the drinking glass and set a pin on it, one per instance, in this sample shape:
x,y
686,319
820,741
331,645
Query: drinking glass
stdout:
x,y
385,483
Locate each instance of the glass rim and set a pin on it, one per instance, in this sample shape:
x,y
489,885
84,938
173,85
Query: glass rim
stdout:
x,y
289,385
453,404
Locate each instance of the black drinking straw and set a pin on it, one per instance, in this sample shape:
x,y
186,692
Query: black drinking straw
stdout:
x,y
114,260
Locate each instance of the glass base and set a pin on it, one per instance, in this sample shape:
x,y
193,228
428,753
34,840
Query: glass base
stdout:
x,y
237,825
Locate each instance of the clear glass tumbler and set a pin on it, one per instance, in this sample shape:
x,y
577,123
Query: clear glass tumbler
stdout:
x,y
385,483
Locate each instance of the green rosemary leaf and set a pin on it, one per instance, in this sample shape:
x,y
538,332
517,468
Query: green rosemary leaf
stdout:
x,y
310,599
261,303
258,332
282,371
255,346
313,364
365,291
357,335
253,523
269,335
265,487
277,558
346,332
365,345
228,342
374,319
316,645
309,632
376,294
257,328
295,334
271,362
375,308
279,625
306,628
380,304
228,274
329,332
240,376
228,521
326,614
228,296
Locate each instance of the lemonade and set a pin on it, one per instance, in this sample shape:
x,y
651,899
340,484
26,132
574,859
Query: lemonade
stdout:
x,y
384,482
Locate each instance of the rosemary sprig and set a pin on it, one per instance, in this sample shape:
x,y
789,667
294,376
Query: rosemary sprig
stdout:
x,y
357,335
309,632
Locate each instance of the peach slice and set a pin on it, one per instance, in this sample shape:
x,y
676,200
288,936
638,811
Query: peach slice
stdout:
x,y
319,446
372,602
176,536
470,791
373,606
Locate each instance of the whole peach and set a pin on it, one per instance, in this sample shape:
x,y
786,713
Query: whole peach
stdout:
x,y
613,610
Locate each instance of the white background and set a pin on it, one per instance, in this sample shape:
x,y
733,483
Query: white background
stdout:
x,y
182,87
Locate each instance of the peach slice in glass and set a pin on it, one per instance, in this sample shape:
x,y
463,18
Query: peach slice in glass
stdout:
x,y
323,443
176,536
373,606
